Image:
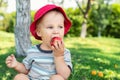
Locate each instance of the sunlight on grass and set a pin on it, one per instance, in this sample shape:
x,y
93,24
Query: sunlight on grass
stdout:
x,y
6,41
102,61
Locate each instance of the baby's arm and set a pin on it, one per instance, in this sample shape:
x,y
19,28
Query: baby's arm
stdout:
x,y
13,63
61,67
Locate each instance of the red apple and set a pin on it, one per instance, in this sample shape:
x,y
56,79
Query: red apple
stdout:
x,y
54,39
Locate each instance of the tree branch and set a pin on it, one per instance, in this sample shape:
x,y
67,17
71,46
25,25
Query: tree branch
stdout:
x,y
88,6
77,2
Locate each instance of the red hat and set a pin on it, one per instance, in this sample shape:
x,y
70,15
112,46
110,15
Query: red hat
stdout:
x,y
41,12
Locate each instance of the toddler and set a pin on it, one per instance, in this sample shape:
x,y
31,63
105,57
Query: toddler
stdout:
x,y
49,60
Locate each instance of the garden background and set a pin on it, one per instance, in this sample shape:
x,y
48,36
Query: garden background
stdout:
x,y
94,57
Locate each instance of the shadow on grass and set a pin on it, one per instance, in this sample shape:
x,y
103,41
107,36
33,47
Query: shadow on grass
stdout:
x,y
117,54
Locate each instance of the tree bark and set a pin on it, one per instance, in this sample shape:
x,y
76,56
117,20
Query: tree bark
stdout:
x,y
22,34
84,29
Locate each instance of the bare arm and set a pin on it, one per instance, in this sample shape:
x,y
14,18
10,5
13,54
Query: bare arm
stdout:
x,y
61,67
13,63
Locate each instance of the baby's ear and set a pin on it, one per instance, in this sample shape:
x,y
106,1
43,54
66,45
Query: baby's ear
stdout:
x,y
38,33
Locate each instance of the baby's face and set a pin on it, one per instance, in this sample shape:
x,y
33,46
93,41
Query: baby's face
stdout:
x,y
51,25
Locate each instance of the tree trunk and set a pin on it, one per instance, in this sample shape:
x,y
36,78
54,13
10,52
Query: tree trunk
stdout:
x,y
22,35
84,29
85,15
99,31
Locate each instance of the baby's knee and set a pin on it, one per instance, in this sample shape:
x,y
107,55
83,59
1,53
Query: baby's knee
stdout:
x,y
56,77
21,77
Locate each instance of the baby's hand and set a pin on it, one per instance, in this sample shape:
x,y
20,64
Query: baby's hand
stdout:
x,y
11,61
57,46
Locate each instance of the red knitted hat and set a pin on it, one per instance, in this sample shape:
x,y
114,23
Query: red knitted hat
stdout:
x,y
41,12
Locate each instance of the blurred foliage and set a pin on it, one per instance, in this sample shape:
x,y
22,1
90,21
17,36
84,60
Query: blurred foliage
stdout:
x,y
99,17
103,20
76,18
8,22
3,3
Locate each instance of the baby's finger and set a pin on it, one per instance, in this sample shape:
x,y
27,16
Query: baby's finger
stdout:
x,y
52,47
13,57
56,44
8,58
59,44
8,62
9,65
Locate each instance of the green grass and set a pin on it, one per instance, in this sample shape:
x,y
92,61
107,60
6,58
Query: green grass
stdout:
x,y
99,54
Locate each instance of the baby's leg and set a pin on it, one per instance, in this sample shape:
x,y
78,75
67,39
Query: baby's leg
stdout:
x,y
21,77
56,77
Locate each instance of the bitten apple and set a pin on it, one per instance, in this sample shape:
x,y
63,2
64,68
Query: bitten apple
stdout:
x,y
54,39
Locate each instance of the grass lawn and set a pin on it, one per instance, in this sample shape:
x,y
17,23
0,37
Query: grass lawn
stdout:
x,y
92,58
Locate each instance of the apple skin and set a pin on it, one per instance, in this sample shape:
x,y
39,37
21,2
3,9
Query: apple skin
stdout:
x,y
54,39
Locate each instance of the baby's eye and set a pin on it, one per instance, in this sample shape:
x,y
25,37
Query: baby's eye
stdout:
x,y
50,27
60,26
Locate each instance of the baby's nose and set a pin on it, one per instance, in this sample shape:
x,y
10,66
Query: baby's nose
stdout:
x,y
56,31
